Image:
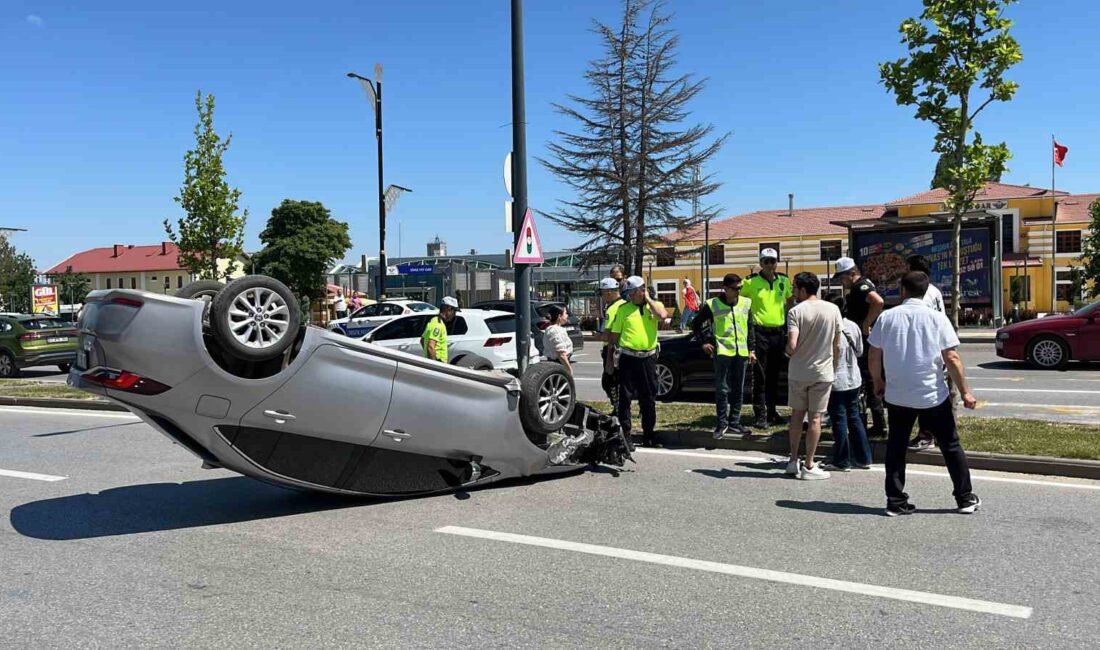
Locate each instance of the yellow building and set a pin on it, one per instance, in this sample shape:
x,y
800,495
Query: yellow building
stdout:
x,y
1038,253
153,268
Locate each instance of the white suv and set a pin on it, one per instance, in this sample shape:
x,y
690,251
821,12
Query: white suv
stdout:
x,y
477,338
367,318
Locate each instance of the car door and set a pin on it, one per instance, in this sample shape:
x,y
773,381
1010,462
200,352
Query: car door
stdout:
x,y
1088,336
357,324
401,334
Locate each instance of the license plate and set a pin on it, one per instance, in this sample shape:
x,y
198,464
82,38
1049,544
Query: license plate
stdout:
x,y
57,339
81,359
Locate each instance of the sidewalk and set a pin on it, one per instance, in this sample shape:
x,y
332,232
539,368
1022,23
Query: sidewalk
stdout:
x,y
966,335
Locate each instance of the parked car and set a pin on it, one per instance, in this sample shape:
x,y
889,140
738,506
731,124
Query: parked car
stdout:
x,y
476,338
367,318
540,320
254,391
35,340
1052,342
683,367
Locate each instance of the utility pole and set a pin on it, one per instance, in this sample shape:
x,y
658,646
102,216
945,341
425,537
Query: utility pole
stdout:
x,y
374,95
519,187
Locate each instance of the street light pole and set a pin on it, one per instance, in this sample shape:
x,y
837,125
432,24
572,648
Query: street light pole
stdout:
x,y
374,94
519,186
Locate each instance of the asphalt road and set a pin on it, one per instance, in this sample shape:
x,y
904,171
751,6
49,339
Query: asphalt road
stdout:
x,y
112,537
1005,389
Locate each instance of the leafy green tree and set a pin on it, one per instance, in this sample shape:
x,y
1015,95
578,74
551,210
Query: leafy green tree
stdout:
x,y
74,287
211,229
16,277
939,179
959,52
1090,252
300,241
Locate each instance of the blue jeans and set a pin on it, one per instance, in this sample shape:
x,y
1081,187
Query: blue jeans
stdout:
x,y
845,417
686,317
729,378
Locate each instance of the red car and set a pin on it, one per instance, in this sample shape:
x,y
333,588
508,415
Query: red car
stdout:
x,y
1051,342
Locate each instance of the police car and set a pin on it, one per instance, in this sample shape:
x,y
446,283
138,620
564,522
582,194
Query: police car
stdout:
x,y
365,319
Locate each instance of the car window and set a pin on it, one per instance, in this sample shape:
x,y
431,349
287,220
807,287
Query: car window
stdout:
x,y
458,327
501,324
402,328
1084,311
367,312
420,306
391,310
43,323
5,326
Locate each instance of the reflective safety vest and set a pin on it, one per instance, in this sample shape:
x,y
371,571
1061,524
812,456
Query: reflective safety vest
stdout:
x,y
731,326
436,331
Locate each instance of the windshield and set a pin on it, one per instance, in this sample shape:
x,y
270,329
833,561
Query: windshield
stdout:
x,y
1082,312
43,324
419,306
501,324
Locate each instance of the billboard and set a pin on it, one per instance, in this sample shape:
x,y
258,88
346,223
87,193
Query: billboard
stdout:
x,y
45,299
881,257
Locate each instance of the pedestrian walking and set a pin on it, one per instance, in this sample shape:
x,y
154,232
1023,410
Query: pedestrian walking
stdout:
x,y
850,446
609,379
916,344
434,339
555,340
634,334
730,345
771,294
691,305
862,305
341,305
813,345
934,299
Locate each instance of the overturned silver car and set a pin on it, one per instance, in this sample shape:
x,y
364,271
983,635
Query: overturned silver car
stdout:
x,y
229,373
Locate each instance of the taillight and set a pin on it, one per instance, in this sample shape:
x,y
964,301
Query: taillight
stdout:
x,y
31,336
129,302
124,380
497,341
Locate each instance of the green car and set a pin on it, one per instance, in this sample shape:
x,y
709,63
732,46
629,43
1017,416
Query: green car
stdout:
x,y
37,340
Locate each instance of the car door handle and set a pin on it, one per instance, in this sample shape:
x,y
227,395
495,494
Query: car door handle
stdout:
x,y
280,417
396,434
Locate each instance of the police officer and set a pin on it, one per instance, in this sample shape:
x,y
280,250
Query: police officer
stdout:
x,y
634,334
862,305
771,294
434,339
731,345
609,287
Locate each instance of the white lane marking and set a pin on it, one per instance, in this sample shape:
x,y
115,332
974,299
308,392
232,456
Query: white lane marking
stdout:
x,y
1037,390
876,468
586,379
31,475
1051,407
1024,378
76,412
922,597
594,363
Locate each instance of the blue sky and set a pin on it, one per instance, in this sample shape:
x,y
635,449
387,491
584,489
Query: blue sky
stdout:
x,y
98,108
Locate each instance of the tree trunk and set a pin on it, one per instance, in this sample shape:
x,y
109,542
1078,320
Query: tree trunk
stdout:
x,y
956,284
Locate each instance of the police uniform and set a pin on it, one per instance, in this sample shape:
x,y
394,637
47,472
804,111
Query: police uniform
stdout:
x,y
769,313
733,332
637,343
856,308
436,331
610,382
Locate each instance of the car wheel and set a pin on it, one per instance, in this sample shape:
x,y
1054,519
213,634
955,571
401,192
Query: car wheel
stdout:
x,y
472,361
8,368
1048,353
547,398
200,290
255,318
64,367
668,382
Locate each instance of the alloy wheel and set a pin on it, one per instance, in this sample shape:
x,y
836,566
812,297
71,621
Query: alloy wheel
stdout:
x,y
259,318
1047,353
665,380
555,398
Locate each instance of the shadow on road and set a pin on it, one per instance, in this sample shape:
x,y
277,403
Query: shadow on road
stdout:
x,y
1005,365
105,426
166,506
850,508
733,473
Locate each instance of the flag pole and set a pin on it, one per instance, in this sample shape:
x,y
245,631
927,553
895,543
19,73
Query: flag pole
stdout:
x,y
1053,228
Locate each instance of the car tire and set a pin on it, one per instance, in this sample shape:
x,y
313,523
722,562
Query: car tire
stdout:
x,y
255,318
668,382
472,361
1048,353
547,398
200,290
8,368
64,367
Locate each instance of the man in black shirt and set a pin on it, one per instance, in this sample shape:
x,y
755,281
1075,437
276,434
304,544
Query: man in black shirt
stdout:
x,y
862,305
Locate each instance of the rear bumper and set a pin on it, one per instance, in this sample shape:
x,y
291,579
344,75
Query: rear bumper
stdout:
x,y
49,358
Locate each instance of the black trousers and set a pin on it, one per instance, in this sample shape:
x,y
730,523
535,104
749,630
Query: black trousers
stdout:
x,y
609,383
770,344
874,404
940,422
638,381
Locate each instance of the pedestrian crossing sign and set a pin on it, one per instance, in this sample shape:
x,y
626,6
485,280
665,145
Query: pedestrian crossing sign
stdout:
x,y
528,246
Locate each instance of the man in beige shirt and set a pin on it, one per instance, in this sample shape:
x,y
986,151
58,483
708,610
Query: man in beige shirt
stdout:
x,y
813,345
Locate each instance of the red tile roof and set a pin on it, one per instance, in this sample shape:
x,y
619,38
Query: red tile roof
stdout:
x,y
123,259
777,223
989,192
1075,207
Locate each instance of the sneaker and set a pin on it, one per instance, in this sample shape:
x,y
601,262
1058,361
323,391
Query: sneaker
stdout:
x,y
970,505
739,430
760,423
920,443
858,466
720,431
903,509
814,473
775,418
829,467
793,467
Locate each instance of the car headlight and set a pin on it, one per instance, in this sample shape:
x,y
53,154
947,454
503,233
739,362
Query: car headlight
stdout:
x,y
1002,336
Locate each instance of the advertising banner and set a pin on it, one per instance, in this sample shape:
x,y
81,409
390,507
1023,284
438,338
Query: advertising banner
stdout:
x,y
45,299
881,257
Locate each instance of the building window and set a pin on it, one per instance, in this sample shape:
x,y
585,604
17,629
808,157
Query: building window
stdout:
x,y
108,283
1068,241
122,283
1070,285
830,250
666,257
716,289
179,281
133,283
1019,289
716,254
773,244
1008,231
666,293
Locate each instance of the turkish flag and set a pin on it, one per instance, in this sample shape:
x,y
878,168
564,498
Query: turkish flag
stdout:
x,y
1060,151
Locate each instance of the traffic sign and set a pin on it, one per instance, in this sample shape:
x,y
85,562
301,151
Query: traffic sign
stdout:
x,y
529,248
415,269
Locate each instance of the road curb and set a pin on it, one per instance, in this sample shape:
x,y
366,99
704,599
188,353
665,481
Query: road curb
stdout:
x,y
62,403
1041,465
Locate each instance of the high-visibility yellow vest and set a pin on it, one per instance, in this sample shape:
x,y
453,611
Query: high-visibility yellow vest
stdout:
x,y
436,331
731,326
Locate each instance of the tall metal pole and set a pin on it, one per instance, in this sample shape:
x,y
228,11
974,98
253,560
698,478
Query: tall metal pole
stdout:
x,y
519,188
706,251
381,188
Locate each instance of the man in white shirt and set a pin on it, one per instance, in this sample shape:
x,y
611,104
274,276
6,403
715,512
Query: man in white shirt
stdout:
x,y
916,344
933,298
